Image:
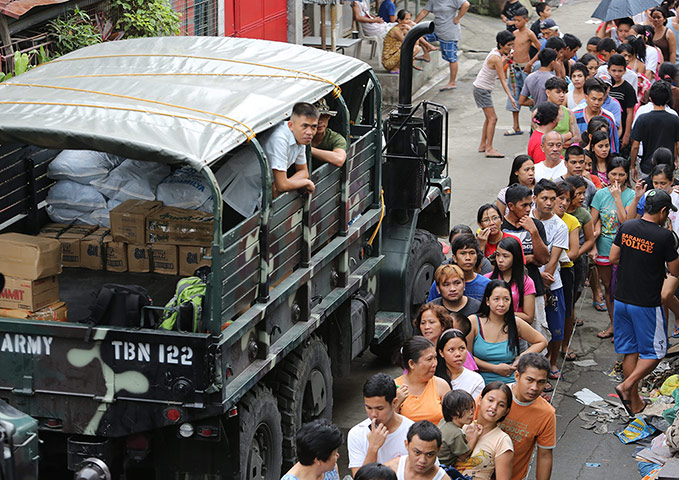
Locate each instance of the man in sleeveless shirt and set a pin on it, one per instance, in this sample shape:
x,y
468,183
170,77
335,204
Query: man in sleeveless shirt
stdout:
x,y
423,443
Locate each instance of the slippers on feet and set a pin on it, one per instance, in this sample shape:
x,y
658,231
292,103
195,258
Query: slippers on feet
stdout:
x,y
627,404
548,388
579,322
445,89
422,59
570,356
675,334
555,374
599,306
512,132
604,334
415,67
494,155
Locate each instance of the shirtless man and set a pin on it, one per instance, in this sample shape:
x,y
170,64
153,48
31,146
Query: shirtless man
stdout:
x,y
523,63
423,443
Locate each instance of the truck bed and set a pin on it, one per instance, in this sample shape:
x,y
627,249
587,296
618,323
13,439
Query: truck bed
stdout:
x,y
78,287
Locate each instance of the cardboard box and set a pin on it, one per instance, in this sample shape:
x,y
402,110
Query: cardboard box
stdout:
x,y
128,220
98,251
29,295
56,312
29,257
192,257
156,258
70,238
179,226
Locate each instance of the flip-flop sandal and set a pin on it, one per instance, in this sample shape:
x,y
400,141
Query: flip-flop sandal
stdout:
x,y
603,335
548,388
555,374
446,89
415,67
493,155
626,404
675,333
579,322
512,132
422,59
599,306
570,356
395,73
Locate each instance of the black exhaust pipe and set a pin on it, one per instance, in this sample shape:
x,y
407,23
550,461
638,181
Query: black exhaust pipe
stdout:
x,y
405,78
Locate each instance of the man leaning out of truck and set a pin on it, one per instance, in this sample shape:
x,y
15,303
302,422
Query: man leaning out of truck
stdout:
x,y
284,145
328,145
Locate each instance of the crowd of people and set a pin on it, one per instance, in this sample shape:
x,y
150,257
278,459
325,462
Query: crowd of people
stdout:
x,y
593,204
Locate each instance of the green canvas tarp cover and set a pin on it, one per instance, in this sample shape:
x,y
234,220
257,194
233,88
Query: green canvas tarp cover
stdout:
x,y
172,99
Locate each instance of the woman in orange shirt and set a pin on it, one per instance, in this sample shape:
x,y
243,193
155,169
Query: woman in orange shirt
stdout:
x,y
419,391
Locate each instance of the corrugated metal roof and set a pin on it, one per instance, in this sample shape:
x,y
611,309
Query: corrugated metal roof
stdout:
x,y
17,8
168,99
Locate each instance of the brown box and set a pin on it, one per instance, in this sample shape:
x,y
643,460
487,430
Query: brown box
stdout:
x,y
29,257
192,257
179,226
164,258
128,220
98,242
56,312
70,238
29,295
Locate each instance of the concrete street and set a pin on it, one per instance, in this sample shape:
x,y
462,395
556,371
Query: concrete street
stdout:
x,y
476,180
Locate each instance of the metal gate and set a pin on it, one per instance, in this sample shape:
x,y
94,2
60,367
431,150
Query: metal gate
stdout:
x,y
197,17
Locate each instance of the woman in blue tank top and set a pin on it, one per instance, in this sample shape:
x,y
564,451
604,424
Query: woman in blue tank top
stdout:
x,y
495,335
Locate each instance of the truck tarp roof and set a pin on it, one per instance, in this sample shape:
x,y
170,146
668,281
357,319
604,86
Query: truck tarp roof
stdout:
x,y
172,99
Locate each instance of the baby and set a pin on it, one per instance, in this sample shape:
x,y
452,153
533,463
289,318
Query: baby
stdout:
x,y
458,410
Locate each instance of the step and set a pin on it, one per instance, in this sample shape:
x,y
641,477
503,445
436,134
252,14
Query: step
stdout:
x,y
385,323
389,81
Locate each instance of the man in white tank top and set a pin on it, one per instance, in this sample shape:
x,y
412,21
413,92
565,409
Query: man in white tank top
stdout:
x,y
423,443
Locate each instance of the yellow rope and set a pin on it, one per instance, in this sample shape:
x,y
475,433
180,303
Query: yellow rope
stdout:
x,y
336,91
379,224
129,97
139,110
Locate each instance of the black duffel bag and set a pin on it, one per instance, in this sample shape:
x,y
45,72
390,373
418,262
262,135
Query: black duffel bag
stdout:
x,y
121,306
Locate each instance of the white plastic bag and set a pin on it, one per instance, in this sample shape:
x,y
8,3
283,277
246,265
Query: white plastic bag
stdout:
x,y
101,217
185,188
82,166
75,196
65,215
133,180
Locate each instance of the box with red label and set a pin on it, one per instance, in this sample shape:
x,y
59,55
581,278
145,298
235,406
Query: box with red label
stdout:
x,y
29,295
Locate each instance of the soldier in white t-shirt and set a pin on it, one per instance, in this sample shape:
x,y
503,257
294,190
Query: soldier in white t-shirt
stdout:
x,y
381,437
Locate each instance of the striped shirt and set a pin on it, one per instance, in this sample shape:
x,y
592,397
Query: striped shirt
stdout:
x,y
582,125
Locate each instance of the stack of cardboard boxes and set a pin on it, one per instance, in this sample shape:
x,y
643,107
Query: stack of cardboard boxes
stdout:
x,y
30,266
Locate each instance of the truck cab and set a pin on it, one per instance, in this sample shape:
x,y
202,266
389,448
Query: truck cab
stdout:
x,y
293,293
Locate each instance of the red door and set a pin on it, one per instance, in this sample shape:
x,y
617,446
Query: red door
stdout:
x,y
264,19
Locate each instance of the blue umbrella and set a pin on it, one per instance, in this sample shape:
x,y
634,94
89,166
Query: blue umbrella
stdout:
x,y
612,9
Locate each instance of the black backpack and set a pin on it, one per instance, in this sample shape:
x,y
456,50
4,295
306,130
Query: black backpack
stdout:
x,y
121,306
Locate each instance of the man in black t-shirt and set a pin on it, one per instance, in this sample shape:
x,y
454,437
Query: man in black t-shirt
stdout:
x,y
451,283
508,13
640,249
531,233
624,93
655,129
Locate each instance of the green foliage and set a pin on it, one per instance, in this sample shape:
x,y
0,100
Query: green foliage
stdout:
x,y
22,62
146,18
73,31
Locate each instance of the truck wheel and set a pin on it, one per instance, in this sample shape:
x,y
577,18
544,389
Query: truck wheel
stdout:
x,y
426,255
260,435
304,387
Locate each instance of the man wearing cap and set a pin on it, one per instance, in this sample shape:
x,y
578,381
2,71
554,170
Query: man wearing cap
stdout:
x,y
641,249
549,29
328,145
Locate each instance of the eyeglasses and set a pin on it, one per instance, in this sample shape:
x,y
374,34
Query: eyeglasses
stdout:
x,y
490,219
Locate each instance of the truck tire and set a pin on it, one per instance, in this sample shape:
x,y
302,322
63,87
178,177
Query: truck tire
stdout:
x,y
426,255
304,388
260,435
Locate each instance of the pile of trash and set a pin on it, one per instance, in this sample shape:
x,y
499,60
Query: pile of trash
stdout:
x,y
89,184
655,431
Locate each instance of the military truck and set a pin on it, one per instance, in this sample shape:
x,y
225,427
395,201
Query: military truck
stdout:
x,y
294,293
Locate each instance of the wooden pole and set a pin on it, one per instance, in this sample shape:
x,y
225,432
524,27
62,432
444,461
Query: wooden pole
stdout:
x,y
6,37
333,21
322,27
